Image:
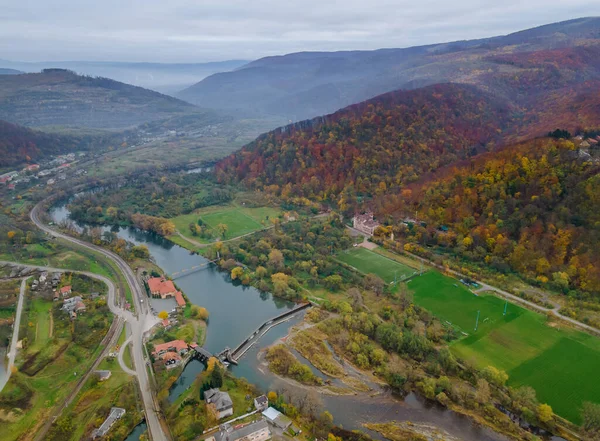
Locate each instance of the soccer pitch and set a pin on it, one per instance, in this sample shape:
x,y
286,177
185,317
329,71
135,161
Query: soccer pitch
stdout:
x,y
366,262
557,363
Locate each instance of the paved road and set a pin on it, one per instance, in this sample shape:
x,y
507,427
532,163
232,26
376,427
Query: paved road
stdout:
x,y
139,325
12,353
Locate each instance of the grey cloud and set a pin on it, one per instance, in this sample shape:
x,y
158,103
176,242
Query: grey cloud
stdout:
x,y
205,30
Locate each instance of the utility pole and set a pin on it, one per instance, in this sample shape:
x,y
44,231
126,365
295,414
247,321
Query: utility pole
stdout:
x,y
505,307
395,277
477,320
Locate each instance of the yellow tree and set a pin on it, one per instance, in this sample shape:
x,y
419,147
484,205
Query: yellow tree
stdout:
x,y
237,272
545,413
163,315
222,228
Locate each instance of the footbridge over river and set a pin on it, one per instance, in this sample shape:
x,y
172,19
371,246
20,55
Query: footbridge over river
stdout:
x,y
191,270
233,355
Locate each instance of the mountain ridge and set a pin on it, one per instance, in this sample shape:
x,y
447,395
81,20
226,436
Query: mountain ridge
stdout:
x,y
306,84
59,97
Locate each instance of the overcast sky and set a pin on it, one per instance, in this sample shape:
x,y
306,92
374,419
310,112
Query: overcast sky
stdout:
x,y
211,30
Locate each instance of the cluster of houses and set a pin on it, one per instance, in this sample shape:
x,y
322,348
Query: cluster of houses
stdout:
x,y
45,281
588,147
163,288
259,430
73,306
57,166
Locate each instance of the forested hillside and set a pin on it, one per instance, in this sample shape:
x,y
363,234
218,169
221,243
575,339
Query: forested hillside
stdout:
x,y
19,145
533,208
58,97
379,146
373,147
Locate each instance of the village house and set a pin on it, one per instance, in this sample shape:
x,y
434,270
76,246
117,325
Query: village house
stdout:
x,y
31,167
221,402
56,279
256,431
80,307
365,223
103,375
276,418
261,403
178,346
65,291
73,305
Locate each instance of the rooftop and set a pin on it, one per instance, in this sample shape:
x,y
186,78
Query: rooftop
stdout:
x,y
221,400
248,429
262,399
177,345
161,285
115,414
179,299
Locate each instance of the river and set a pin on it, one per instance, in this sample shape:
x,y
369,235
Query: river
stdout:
x,y
236,311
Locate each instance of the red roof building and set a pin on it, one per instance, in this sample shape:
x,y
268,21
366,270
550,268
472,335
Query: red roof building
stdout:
x,y
179,299
32,167
159,286
171,346
65,290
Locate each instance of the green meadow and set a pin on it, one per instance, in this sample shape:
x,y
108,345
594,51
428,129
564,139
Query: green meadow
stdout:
x,y
239,220
560,364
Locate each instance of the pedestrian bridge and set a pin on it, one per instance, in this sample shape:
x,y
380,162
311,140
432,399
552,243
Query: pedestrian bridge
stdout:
x,y
187,271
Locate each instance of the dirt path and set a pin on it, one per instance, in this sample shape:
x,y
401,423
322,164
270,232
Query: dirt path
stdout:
x,y
51,328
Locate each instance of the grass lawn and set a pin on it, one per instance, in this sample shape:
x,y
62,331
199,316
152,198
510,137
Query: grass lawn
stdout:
x,y
238,223
558,363
239,220
366,261
40,317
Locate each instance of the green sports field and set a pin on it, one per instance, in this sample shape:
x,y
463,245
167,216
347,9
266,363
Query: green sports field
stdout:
x,y
558,363
367,262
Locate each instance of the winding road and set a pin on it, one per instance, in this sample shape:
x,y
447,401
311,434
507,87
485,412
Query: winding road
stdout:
x,y
139,324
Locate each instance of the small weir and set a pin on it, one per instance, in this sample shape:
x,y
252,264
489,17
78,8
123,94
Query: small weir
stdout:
x,y
232,356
